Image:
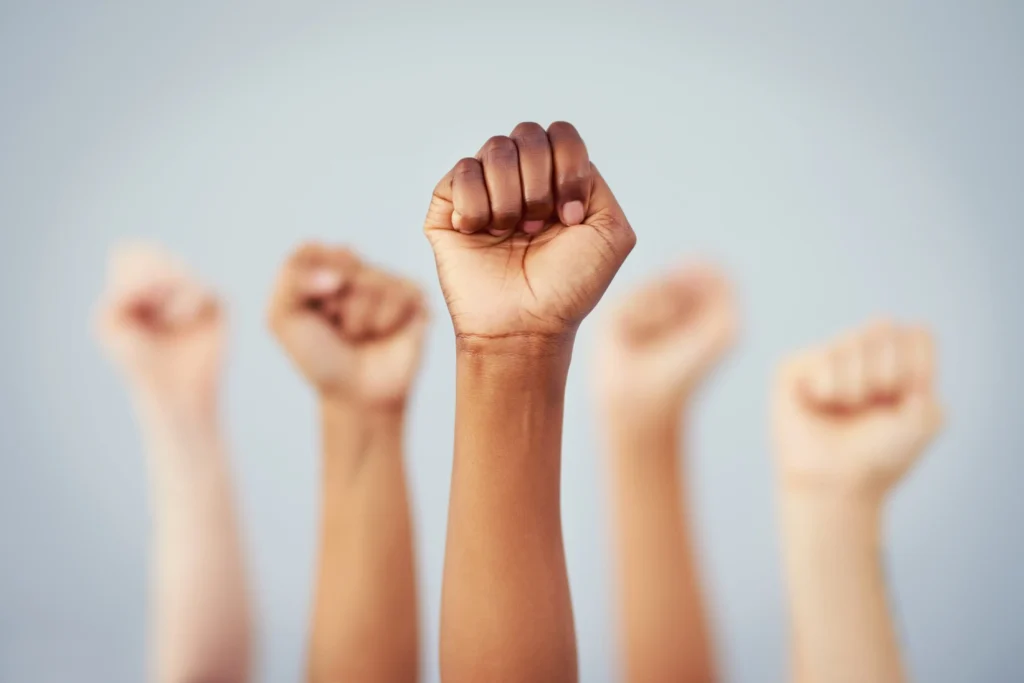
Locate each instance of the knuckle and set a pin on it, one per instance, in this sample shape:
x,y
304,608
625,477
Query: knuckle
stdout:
x,y
528,131
881,326
348,259
793,367
500,149
562,128
467,167
306,251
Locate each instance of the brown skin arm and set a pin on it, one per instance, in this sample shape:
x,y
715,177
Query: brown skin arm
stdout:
x,y
355,332
661,607
504,524
365,621
526,237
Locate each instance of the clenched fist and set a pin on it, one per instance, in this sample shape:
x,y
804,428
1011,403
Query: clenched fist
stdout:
x,y
355,332
855,414
664,339
526,235
162,327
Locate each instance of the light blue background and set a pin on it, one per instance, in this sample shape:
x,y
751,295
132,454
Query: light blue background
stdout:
x,y
840,159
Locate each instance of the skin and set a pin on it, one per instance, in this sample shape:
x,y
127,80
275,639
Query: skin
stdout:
x,y
654,354
356,333
850,420
526,237
165,331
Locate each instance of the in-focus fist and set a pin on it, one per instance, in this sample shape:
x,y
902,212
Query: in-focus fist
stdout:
x,y
664,339
856,413
526,235
354,331
162,326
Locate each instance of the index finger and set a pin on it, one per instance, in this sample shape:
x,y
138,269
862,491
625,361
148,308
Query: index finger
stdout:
x,y
572,172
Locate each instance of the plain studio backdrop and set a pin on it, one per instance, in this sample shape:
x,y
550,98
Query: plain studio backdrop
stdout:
x,y
842,161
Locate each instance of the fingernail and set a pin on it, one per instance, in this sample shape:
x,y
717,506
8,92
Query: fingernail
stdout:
x,y
498,233
572,213
530,227
456,219
324,280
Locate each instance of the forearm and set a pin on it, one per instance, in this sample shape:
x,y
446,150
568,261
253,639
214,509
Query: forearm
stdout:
x,y
201,610
842,629
365,618
663,624
506,608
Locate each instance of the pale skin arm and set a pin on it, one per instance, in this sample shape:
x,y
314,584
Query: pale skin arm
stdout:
x,y
506,608
842,624
365,617
165,331
850,420
201,608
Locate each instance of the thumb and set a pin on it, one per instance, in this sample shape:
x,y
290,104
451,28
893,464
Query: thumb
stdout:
x,y
299,284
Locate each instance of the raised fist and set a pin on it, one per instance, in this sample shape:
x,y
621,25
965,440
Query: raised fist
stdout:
x,y
664,339
162,327
856,414
355,332
526,235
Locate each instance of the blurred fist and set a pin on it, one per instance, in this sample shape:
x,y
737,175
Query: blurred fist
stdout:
x,y
857,413
526,235
664,339
355,332
161,326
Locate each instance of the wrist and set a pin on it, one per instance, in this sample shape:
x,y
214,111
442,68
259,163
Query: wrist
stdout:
x,y
518,345
833,487
831,515
633,412
514,368
194,416
362,415
352,434
185,447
